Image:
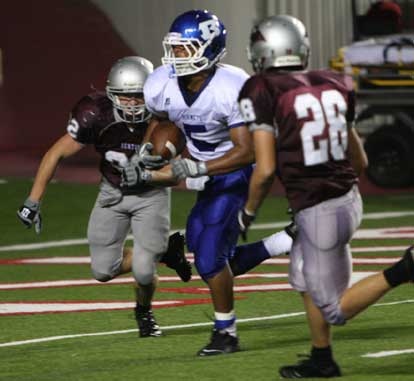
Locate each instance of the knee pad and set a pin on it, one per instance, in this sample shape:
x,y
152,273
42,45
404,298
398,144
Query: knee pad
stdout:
x,y
143,270
101,277
144,278
333,314
209,265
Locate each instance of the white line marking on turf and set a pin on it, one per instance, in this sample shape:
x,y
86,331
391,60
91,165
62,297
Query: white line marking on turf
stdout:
x,y
84,241
171,327
121,280
388,353
270,261
374,249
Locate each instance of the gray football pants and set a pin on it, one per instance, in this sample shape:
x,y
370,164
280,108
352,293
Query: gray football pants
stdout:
x,y
320,260
147,215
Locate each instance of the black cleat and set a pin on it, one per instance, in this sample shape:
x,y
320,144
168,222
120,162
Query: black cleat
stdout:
x,y
409,260
220,343
175,258
310,369
291,230
147,325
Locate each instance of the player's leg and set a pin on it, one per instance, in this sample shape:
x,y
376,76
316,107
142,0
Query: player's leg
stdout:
x,y
107,229
368,290
150,223
212,233
324,233
248,256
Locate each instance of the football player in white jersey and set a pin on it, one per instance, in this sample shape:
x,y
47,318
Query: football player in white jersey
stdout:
x,y
200,96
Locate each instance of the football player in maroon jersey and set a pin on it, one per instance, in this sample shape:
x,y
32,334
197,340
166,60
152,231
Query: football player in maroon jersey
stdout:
x,y
117,123
301,122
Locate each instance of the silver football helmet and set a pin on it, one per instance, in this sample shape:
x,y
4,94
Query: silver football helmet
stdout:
x,y
278,41
126,78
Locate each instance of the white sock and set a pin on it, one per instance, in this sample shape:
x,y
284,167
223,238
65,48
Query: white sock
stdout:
x,y
223,316
278,243
231,330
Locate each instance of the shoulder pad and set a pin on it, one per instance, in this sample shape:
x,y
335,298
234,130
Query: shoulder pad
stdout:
x,y
92,109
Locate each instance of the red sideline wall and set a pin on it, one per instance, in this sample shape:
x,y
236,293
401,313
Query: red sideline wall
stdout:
x,y
53,52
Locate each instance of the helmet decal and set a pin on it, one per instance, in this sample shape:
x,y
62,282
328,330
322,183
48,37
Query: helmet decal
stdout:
x,y
201,37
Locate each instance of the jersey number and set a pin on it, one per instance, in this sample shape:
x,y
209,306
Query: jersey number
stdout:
x,y
328,112
201,145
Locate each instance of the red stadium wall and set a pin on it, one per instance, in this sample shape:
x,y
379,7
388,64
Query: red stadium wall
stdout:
x,y
54,51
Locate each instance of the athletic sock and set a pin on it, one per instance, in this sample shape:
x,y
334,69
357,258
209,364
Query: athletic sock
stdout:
x,y
322,356
278,243
402,271
142,309
226,323
247,257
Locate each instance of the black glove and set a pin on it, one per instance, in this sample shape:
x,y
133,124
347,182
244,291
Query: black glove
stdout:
x,y
29,214
245,220
134,174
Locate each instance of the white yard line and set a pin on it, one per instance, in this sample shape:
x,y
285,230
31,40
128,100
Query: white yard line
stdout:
x,y
367,216
171,327
120,280
127,280
388,353
271,261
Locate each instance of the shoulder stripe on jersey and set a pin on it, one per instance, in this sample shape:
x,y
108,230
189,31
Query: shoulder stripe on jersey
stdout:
x,y
237,125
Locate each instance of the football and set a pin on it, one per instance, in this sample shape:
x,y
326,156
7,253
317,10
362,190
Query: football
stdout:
x,y
168,140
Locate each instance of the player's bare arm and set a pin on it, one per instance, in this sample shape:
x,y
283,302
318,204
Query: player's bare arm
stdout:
x,y
239,156
358,157
66,146
163,177
264,171
29,212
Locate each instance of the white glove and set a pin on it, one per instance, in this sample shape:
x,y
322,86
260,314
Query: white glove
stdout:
x,y
197,183
188,168
133,174
148,160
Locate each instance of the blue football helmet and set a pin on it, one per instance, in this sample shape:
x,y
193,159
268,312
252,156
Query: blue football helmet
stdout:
x,y
202,36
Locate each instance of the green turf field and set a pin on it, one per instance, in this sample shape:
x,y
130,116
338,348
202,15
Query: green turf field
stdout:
x,y
268,343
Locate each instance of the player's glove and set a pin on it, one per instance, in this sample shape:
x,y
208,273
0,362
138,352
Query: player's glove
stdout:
x,y
245,219
133,174
29,214
188,168
148,160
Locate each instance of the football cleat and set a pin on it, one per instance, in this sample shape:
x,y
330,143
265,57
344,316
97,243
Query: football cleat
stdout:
x,y
409,260
310,369
147,325
292,230
175,258
220,343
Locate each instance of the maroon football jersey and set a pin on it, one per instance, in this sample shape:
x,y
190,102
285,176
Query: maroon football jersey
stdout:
x,y
309,112
94,114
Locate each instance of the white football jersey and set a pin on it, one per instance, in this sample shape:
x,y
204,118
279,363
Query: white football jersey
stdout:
x,y
206,118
